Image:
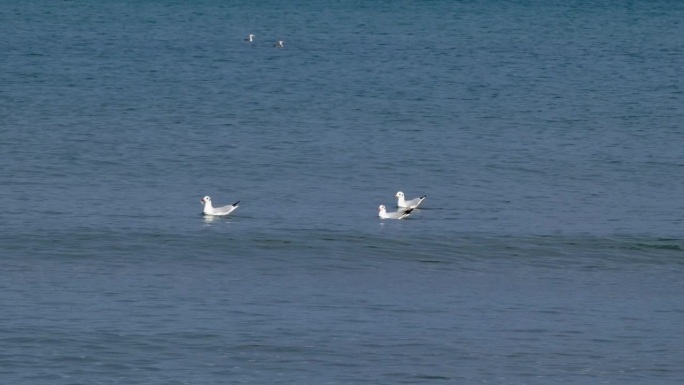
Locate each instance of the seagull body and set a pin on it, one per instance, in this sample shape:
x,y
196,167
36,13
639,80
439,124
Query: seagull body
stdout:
x,y
401,214
412,204
210,210
279,44
250,38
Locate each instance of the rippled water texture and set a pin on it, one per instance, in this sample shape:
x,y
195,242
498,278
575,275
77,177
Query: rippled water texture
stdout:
x,y
546,136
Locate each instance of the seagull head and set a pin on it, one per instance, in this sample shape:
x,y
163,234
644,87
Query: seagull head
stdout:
x,y
399,194
205,199
382,208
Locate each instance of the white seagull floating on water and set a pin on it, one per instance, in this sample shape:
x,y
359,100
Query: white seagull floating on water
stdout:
x,y
412,204
401,214
210,210
279,44
250,38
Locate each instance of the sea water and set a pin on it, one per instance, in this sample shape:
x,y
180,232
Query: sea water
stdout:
x,y
546,135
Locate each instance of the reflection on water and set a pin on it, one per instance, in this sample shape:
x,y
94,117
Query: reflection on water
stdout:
x,y
208,219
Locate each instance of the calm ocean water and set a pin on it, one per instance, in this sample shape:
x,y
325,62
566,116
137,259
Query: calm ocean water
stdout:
x,y
547,136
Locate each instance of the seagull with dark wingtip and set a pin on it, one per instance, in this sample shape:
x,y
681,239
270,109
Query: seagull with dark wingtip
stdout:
x,y
412,204
400,214
219,211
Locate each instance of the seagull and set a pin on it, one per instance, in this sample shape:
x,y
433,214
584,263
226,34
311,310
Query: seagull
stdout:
x,y
412,204
250,38
401,214
279,44
210,210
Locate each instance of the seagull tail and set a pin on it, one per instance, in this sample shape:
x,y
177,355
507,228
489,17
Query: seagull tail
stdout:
x,y
236,204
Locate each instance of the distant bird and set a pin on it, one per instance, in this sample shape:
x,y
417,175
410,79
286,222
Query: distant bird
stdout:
x,y
412,204
250,38
210,210
279,44
401,214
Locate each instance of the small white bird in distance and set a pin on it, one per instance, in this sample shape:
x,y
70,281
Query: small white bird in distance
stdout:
x,y
412,204
401,214
211,210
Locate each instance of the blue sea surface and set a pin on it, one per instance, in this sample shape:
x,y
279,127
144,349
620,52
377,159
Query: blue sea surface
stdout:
x,y
546,135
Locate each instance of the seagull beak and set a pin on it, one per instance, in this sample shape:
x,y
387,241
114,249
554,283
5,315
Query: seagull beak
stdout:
x,y
202,200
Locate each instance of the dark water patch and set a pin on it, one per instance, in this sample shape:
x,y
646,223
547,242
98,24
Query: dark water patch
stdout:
x,y
672,247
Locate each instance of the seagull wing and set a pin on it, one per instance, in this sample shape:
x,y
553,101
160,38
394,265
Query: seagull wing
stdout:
x,y
225,210
413,203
